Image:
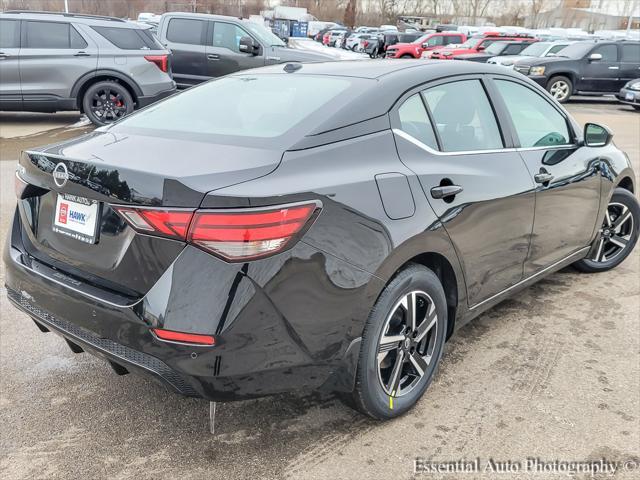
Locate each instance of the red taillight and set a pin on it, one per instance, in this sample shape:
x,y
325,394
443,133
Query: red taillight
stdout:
x,y
165,223
162,61
242,235
181,337
365,44
231,234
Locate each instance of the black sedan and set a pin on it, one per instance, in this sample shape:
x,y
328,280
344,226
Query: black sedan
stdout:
x,y
496,49
630,94
319,226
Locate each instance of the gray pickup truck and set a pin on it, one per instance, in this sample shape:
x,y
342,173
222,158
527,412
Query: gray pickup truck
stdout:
x,y
207,46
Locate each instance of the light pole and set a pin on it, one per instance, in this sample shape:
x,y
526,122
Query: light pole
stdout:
x,y
66,6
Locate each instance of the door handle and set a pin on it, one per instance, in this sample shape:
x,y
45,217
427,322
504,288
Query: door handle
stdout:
x,y
614,68
82,54
4,55
543,177
446,191
213,56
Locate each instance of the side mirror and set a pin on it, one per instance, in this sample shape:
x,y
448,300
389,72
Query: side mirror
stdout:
x,y
425,45
248,46
596,135
481,48
594,57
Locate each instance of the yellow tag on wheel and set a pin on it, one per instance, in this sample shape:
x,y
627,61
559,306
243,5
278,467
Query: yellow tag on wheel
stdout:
x,y
391,400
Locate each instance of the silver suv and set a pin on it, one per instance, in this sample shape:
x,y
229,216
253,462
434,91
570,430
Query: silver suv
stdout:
x,y
103,66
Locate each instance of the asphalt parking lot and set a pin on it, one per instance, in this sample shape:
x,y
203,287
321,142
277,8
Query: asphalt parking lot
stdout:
x,y
553,374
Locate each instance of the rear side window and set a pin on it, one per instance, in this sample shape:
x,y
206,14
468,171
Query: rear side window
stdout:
x,y
227,35
186,30
630,53
53,35
609,53
537,123
414,120
463,116
262,106
452,39
127,38
9,33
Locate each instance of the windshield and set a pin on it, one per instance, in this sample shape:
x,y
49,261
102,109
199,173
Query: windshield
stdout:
x,y
262,106
535,49
577,50
495,48
422,39
264,36
472,42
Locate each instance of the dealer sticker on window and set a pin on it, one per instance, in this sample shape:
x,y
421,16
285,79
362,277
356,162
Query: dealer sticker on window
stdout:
x,y
76,217
629,96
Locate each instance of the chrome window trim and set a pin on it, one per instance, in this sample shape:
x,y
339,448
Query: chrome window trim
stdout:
x,y
419,144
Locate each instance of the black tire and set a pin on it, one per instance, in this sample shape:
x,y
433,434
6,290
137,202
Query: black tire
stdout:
x,y
560,88
369,395
406,55
107,101
637,107
608,238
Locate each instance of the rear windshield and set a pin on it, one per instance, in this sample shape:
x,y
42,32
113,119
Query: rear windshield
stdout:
x,y
259,106
129,38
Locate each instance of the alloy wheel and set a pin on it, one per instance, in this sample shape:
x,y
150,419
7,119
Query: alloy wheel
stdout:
x,y
407,342
108,105
559,90
615,233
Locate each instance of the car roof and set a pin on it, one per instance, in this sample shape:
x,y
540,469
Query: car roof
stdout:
x,y
95,20
388,80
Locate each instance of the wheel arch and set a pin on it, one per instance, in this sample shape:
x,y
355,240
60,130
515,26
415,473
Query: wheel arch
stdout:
x,y
86,81
441,258
570,75
626,182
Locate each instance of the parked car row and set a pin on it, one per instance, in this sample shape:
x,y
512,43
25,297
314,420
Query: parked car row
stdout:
x,y
107,67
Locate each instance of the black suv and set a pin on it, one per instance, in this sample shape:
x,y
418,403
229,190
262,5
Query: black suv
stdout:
x,y
207,46
585,67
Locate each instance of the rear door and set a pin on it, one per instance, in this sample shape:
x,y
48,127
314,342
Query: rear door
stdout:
x,y
601,75
186,38
566,175
10,93
54,55
488,212
629,62
223,50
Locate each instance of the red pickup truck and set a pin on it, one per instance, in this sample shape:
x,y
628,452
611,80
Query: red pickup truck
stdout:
x,y
425,43
474,44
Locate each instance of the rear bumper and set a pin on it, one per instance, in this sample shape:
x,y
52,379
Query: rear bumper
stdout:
x,y
282,323
121,357
144,101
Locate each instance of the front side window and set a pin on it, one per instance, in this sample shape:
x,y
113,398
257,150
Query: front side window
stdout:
x,y
259,106
227,35
537,122
51,35
414,120
9,33
186,30
463,116
513,49
609,53
435,41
